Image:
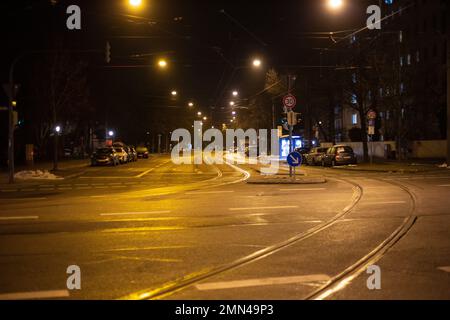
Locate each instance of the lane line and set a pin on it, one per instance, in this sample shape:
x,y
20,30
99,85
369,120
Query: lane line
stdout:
x,y
383,202
311,189
35,295
207,192
133,213
262,208
19,218
445,269
262,282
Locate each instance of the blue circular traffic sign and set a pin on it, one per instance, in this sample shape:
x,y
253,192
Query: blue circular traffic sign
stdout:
x,y
294,159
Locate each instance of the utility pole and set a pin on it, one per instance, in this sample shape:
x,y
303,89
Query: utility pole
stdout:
x,y
448,91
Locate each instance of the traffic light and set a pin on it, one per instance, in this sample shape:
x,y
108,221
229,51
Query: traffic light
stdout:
x,y
108,52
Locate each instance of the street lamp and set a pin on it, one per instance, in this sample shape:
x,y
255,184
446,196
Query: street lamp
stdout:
x,y
233,113
257,63
235,93
205,118
58,129
199,114
231,103
335,4
135,3
111,133
191,104
174,93
162,63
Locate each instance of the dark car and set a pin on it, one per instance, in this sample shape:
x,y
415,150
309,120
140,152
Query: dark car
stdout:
x,y
314,157
142,152
130,155
339,155
105,156
303,151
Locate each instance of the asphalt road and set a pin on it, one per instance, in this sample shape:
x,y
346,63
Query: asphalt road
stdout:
x,y
155,230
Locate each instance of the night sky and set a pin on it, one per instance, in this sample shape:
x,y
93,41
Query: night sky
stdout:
x,y
201,43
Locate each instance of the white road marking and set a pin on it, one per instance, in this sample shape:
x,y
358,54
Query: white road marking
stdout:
x,y
262,282
207,192
383,202
35,295
263,208
19,218
445,269
311,189
133,213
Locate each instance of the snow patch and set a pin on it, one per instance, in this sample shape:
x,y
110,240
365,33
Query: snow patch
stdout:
x,y
36,175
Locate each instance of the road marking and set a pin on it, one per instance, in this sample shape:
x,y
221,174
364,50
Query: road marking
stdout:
x,y
35,295
312,189
262,282
263,208
207,192
444,185
133,213
445,269
19,218
98,196
384,202
24,199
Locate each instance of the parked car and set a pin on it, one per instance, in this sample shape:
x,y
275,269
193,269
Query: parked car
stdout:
x,y
314,157
303,151
142,152
339,155
122,154
133,153
105,156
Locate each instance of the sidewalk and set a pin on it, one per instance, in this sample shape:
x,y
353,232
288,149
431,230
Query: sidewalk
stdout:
x,y
66,169
394,167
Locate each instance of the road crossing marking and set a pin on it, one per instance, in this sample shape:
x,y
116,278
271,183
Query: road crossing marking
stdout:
x,y
322,278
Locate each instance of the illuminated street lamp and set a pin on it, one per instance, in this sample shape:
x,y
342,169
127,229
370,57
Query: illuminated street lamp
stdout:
x,y
235,93
335,4
174,93
162,63
257,63
199,114
205,118
233,113
231,103
191,104
110,133
135,3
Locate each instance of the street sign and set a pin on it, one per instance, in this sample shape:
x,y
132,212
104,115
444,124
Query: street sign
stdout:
x,y
289,101
292,118
371,115
294,159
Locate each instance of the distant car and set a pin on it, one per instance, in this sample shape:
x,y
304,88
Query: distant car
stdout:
x,y
339,155
122,154
142,152
105,156
133,154
303,151
314,157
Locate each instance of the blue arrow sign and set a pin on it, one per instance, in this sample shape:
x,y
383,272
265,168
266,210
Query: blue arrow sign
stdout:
x,y
294,159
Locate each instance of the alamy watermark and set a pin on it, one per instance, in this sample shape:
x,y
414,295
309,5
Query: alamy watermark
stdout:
x,y
251,146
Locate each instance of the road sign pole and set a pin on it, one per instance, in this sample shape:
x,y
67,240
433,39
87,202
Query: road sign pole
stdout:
x,y
291,148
